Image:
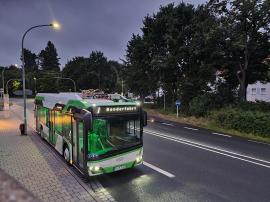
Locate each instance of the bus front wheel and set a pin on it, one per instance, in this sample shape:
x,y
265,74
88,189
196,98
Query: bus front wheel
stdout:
x,y
66,154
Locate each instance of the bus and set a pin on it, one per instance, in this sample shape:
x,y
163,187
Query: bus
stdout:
x,y
92,132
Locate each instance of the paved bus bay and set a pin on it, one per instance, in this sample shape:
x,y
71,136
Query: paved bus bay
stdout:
x,y
34,164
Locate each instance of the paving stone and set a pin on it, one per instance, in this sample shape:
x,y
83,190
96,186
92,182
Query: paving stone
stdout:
x,y
38,168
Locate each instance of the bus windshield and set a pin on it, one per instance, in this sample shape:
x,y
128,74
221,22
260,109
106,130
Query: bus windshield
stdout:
x,y
113,134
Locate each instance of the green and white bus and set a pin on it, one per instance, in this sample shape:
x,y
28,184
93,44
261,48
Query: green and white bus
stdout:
x,y
95,134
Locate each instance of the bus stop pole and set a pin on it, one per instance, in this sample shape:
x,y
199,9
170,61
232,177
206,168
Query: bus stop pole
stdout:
x,y
177,114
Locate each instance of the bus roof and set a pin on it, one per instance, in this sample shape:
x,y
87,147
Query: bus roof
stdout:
x,y
75,99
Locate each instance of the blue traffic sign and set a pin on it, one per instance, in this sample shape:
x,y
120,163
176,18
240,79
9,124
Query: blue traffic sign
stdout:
x,y
177,102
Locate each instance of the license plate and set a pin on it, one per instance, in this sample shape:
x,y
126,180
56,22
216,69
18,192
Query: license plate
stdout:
x,y
119,167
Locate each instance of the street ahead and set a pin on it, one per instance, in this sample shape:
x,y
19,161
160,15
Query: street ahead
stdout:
x,y
197,165
184,163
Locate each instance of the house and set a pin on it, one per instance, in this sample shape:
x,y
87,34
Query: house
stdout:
x,y
258,92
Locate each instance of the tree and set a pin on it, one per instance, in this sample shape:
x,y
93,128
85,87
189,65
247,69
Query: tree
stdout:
x,y
101,71
174,52
76,69
30,61
31,68
92,72
49,60
12,72
49,67
244,28
137,70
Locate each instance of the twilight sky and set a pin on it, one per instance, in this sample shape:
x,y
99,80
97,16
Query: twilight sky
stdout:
x,y
86,25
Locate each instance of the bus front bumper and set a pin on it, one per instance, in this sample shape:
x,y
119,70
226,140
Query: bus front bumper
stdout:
x,y
115,163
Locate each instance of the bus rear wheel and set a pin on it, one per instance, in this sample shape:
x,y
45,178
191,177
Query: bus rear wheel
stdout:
x,y
40,132
66,155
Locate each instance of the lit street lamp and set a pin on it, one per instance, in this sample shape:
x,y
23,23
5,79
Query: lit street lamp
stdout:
x,y
55,26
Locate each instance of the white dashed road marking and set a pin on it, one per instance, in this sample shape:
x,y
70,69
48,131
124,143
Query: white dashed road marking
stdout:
x,y
259,142
220,134
167,124
191,128
159,170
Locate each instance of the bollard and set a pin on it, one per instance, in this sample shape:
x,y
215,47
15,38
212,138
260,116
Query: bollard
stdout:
x,y
22,128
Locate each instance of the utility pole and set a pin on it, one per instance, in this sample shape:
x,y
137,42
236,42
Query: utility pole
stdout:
x,y
54,25
3,80
122,88
164,101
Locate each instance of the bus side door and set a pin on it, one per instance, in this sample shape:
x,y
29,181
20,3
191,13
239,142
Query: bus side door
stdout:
x,y
78,146
51,126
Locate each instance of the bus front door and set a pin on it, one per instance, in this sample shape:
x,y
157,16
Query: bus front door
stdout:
x,y
78,144
51,126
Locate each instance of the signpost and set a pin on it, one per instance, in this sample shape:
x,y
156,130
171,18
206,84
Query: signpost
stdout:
x,y
177,103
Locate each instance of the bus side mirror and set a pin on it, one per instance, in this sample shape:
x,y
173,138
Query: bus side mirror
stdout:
x,y
88,121
144,118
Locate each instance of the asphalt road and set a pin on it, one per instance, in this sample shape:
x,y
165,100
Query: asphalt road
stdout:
x,y
207,166
185,163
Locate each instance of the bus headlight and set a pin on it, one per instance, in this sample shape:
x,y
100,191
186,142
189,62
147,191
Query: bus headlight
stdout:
x,y
94,168
139,159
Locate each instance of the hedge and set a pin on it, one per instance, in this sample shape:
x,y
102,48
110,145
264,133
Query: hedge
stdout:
x,y
255,122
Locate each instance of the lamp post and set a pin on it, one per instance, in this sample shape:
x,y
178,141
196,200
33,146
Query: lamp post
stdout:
x,y
122,87
9,81
54,25
35,80
66,78
63,78
3,80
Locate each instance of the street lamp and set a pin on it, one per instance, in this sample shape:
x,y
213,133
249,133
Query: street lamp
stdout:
x,y
35,80
55,25
66,78
3,80
63,78
8,83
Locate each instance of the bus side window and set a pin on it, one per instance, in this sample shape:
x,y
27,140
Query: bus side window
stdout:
x,y
43,114
66,121
47,118
58,122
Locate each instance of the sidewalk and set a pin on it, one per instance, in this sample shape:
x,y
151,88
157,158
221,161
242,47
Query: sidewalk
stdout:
x,y
11,190
31,162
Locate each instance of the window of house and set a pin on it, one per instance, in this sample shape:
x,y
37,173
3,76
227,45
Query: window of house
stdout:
x,y
263,91
253,91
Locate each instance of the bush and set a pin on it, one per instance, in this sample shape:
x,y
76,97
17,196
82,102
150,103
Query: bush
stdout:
x,y
255,122
254,106
200,106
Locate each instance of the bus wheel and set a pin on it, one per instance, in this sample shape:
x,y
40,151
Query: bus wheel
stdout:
x,y
66,155
40,132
